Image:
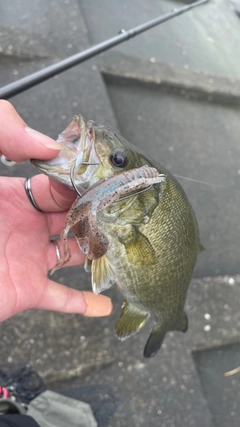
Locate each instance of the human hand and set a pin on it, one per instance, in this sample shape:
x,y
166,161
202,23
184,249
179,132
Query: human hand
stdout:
x,y
26,254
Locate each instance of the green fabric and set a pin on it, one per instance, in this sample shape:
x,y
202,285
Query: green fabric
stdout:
x,y
51,409
10,406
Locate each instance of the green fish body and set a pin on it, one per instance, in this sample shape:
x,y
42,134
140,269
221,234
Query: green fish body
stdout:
x,y
153,238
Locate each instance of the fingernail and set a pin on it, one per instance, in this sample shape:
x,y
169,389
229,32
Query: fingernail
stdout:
x,y
44,140
97,305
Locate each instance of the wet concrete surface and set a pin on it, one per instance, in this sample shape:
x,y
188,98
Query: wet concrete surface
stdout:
x,y
204,39
176,387
189,122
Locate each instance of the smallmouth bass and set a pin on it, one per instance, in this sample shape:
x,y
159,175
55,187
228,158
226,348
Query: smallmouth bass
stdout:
x,y
151,238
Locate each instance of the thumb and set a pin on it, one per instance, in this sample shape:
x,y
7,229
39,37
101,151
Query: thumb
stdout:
x,y
61,298
18,142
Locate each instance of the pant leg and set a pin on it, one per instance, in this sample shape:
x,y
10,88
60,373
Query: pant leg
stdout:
x,y
15,420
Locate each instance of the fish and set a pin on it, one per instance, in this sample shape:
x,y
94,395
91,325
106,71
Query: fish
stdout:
x,y
149,239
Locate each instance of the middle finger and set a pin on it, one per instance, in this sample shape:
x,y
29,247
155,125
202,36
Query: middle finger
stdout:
x,y
51,196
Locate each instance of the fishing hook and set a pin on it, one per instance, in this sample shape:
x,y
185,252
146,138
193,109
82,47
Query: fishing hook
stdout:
x,y
72,175
121,198
134,194
72,180
140,191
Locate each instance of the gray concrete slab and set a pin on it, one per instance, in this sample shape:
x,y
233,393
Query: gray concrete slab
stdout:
x,y
205,38
34,35
177,387
189,122
213,368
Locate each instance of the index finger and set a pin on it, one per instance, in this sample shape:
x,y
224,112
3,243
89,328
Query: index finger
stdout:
x,y
18,142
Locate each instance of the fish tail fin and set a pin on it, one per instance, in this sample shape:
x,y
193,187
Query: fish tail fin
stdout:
x,y
158,333
181,323
154,341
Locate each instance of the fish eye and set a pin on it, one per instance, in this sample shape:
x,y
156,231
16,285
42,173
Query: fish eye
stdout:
x,y
119,159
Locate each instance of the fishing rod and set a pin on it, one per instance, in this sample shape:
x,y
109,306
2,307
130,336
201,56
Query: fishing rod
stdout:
x,y
40,76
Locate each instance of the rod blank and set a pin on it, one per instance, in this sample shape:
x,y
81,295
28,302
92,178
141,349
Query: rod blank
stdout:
x,y
33,79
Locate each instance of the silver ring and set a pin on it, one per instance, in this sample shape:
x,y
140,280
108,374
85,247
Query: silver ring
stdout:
x,y
58,253
6,161
29,193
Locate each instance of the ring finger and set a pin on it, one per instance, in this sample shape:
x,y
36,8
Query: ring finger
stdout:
x,y
55,249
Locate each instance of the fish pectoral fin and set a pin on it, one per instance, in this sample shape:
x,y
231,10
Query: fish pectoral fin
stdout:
x,y
140,251
103,275
201,248
154,341
131,320
181,323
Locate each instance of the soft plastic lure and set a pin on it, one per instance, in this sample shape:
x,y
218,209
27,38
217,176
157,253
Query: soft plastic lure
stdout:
x,y
82,216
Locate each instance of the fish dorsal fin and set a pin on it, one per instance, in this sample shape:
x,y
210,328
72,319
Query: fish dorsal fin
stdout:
x,y
131,320
103,274
140,251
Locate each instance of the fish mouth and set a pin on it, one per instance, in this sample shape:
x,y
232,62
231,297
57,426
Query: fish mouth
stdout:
x,y
77,143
